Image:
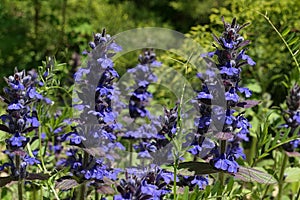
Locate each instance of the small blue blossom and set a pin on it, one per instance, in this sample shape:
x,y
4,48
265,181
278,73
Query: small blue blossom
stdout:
x,y
231,95
201,181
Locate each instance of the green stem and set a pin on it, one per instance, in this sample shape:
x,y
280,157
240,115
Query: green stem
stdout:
x,y
221,174
34,193
298,193
251,157
58,87
284,41
20,181
281,176
130,152
54,191
221,180
41,147
82,195
266,192
174,182
96,194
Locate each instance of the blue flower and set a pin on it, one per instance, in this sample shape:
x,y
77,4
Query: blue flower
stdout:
x,y
105,62
246,91
231,95
292,117
15,106
245,57
18,140
296,117
201,181
204,94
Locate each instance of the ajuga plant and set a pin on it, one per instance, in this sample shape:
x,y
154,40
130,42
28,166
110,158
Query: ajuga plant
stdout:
x,y
221,146
148,139
21,123
147,183
291,127
153,136
292,118
93,137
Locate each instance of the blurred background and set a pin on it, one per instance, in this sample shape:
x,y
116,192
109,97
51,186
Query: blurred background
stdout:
x,y
31,30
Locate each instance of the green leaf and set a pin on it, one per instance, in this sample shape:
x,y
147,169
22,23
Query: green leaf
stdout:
x,y
3,136
186,193
292,174
66,184
293,41
198,167
254,87
285,32
230,184
291,36
248,174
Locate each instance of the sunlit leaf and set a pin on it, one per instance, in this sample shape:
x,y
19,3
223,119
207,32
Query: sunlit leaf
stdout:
x,y
285,32
105,189
292,174
66,184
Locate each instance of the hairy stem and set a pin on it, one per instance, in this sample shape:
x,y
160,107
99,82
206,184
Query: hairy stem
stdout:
x,y
221,174
96,194
82,195
20,181
281,37
174,182
281,176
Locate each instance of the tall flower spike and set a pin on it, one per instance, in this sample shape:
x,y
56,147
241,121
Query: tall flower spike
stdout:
x,y
230,59
95,131
143,76
144,184
20,119
292,117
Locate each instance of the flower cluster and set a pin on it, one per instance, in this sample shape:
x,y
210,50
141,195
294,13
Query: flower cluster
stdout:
x,y
153,146
292,117
144,184
143,76
229,60
153,136
94,132
20,120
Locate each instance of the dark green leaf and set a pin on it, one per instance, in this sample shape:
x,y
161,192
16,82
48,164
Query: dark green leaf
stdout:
x,y
4,128
5,180
248,104
198,167
37,176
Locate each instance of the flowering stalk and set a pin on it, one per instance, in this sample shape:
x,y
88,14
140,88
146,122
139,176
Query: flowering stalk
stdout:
x,y
234,127
94,134
292,119
21,119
